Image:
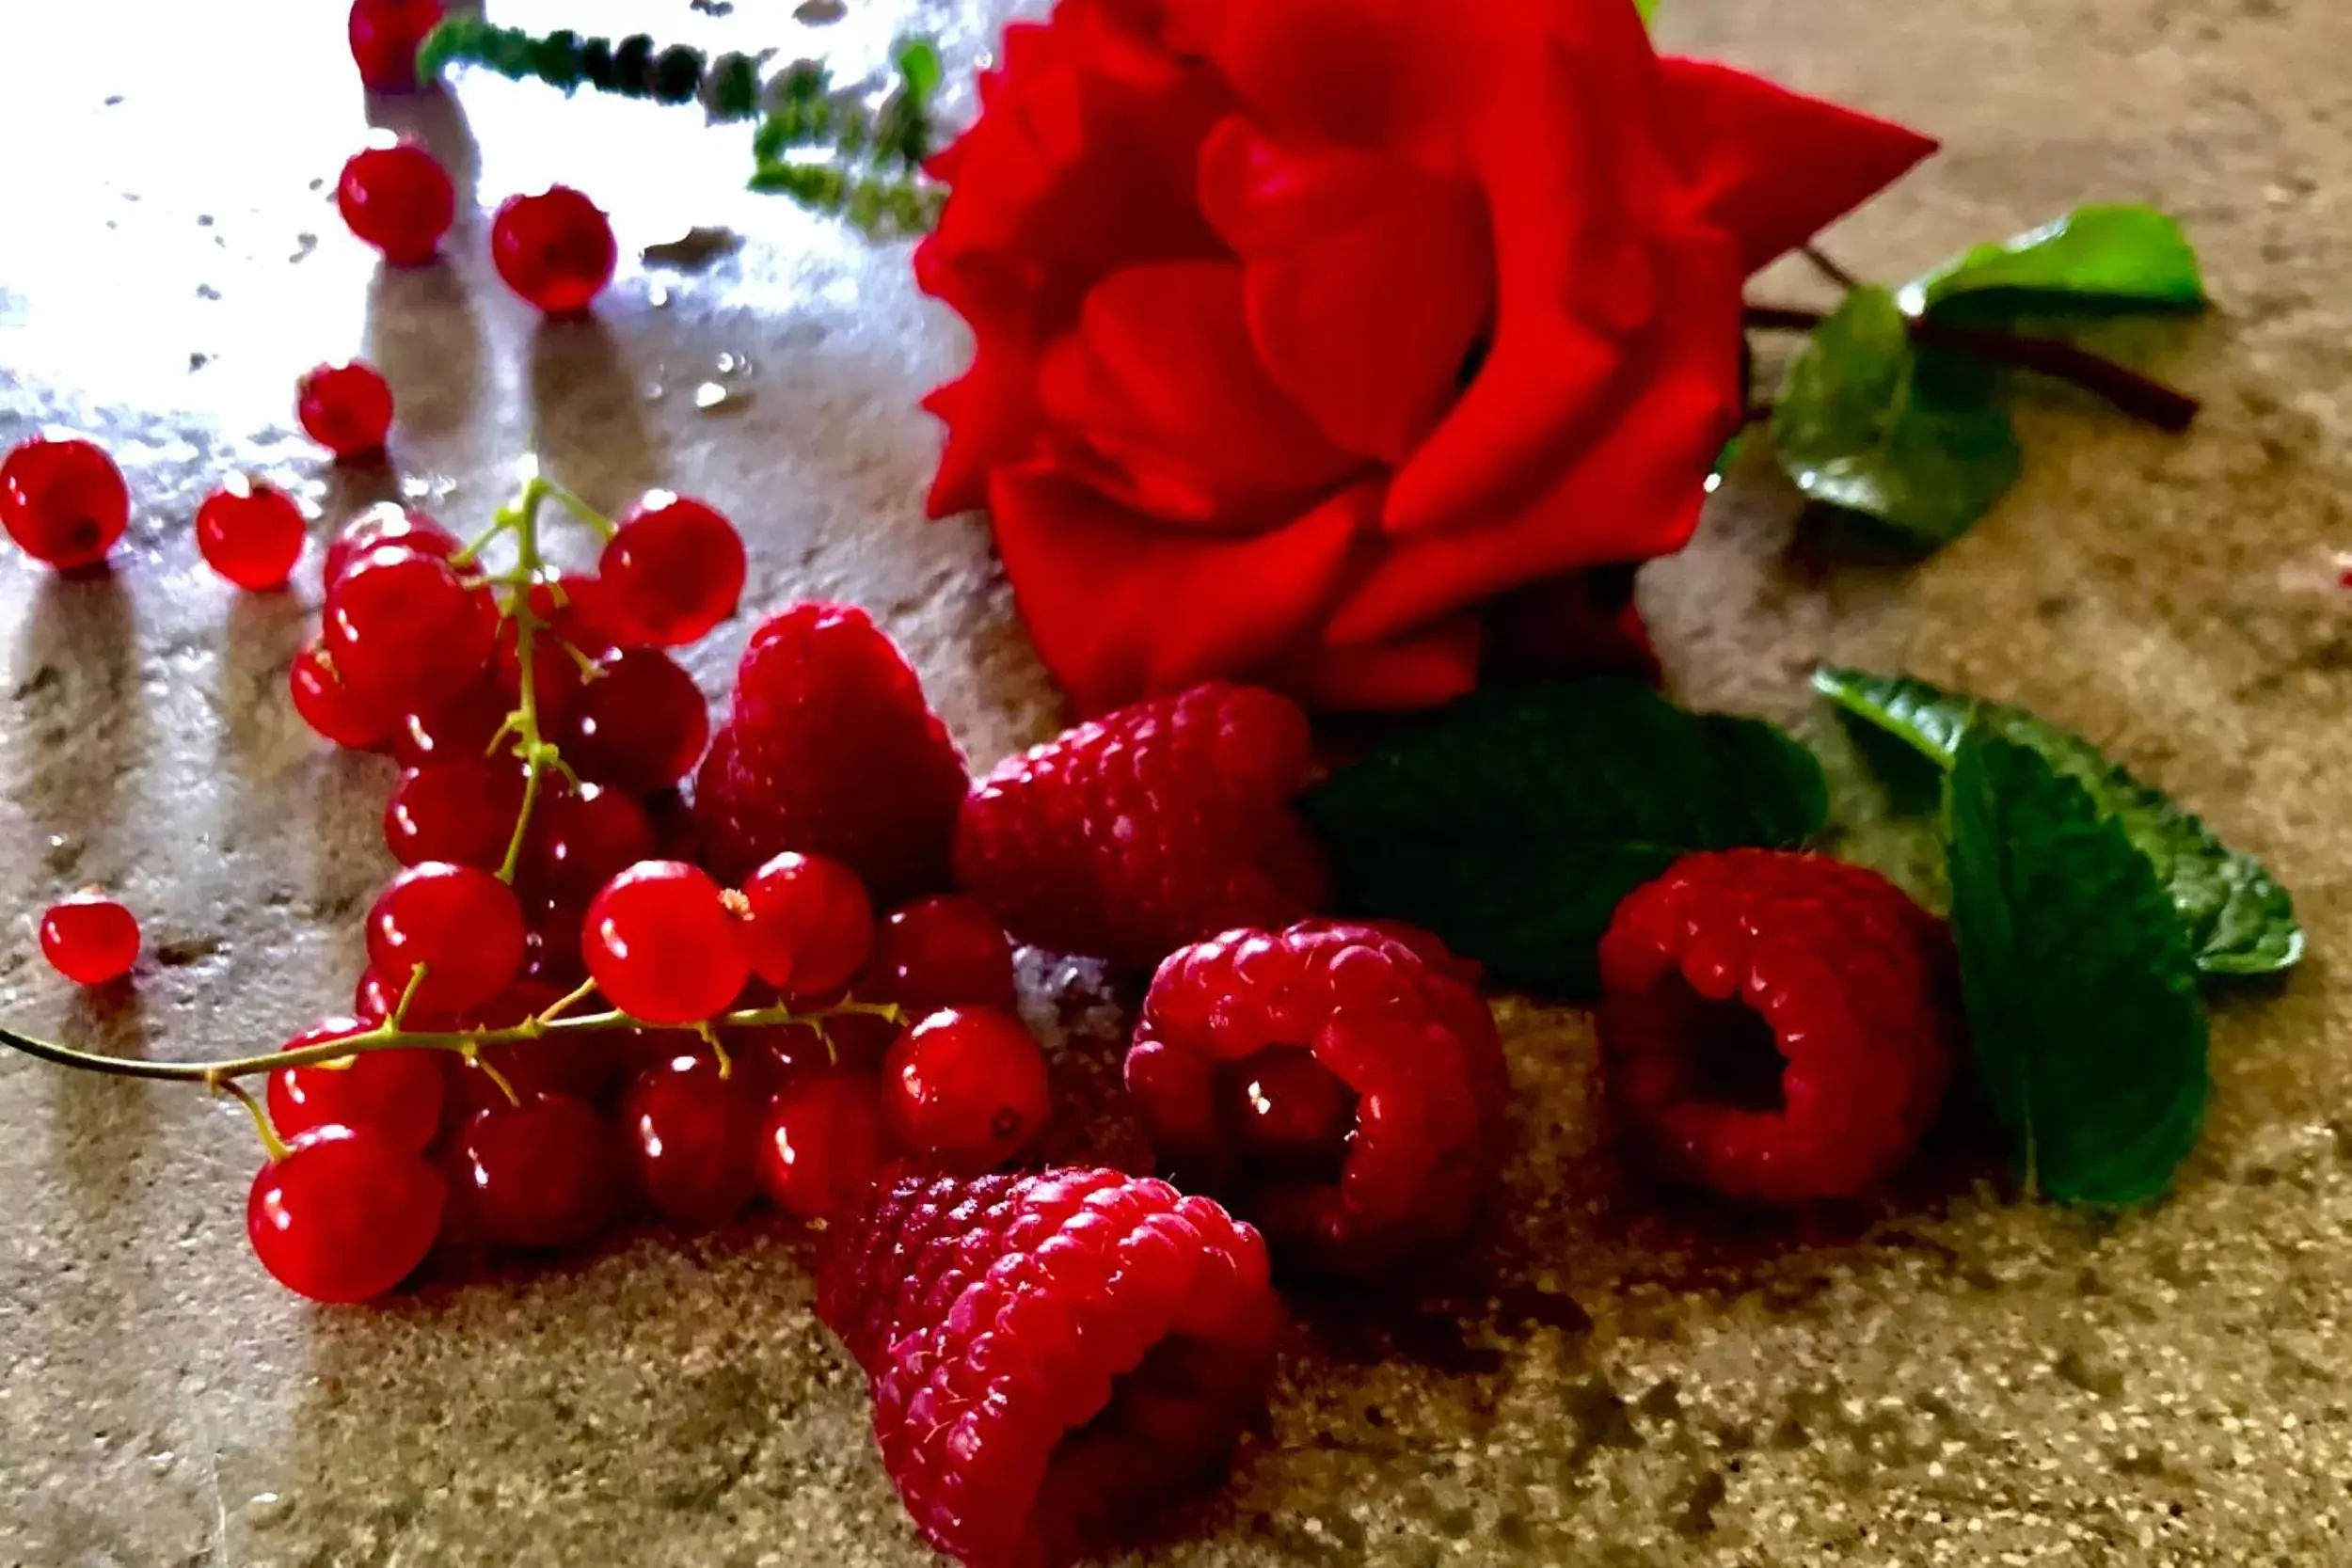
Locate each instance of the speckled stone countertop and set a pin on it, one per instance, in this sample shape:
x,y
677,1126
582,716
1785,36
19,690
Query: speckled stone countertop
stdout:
x,y
1951,1378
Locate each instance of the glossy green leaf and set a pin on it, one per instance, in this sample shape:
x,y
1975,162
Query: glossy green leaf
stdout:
x,y
919,67
2088,1034
2235,918
1912,441
2111,256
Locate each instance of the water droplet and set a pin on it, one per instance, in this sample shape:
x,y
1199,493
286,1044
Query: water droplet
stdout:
x,y
264,1509
655,391
710,395
1714,482
657,297
734,364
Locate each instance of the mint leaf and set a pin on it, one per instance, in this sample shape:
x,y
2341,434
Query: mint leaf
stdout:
x,y
1512,822
1868,424
2110,257
2090,1036
2236,919
919,68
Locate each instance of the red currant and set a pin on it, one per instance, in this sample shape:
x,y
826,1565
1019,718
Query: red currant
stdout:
x,y
541,1174
672,571
345,1215
403,629
385,36
63,500
89,939
942,952
396,1093
966,1087
584,838
461,923
251,534
464,728
556,248
663,945
397,197
346,408
459,812
640,725
384,523
691,1138
373,1000
1289,1114
820,1144
808,924
551,948
575,1065
330,708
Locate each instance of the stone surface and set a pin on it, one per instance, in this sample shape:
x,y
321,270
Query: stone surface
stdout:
x,y
1953,1378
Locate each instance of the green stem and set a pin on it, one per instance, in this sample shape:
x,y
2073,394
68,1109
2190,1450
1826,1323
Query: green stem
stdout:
x,y
523,517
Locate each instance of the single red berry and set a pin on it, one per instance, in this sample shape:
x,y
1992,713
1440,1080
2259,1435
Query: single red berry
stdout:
x,y
639,725
251,534
556,248
459,922
397,197
396,1093
552,946
1055,1358
582,838
946,951
691,1138
385,37
663,945
332,709
384,523
673,571
346,408
405,631
965,1089
575,1065
63,500
542,1174
809,926
345,1215
90,937
373,1000
459,812
464,728
820,1144
1774,1026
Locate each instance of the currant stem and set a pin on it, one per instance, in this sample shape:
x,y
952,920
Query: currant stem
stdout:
x,y
523,517
272,1144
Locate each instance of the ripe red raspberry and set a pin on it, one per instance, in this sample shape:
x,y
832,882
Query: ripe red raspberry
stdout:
x,y
1775,1027
1149,827
397,197
63,500
1337,1083
555,248
1054,1357
831,750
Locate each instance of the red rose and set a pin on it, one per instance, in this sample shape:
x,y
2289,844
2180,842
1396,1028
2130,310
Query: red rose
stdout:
x,y
1307,329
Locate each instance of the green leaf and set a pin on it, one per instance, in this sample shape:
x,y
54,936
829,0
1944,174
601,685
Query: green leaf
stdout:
x,y
919,67
1512,822
2235,918
1649,9
1868,424
2133,258
2090,1036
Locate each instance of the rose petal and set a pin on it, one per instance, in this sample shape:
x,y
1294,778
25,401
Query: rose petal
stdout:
x,y
1122,607
1433,666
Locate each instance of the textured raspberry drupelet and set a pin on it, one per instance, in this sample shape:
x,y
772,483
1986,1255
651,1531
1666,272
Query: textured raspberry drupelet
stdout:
x,y
831,749
1054,1356
1341,1085
1149,827
1775,1027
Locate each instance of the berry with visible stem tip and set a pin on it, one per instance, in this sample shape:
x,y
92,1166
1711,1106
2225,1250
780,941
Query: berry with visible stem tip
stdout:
x,y
639,725
555,248
673,571
820,1144
346,408
344,1215
946,951
964,1088
542,1174
663,945
397,197
63,500
582,838
809,926
90,937
460,922
330,708
251,534
373,1000
690,1138
459,812
396,1093
404,630
385,36
384,523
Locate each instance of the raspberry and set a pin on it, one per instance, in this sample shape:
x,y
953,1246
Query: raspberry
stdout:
x,y
1337,1083
1155,826
1055,1357
1775,1027
831,750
